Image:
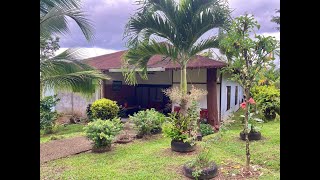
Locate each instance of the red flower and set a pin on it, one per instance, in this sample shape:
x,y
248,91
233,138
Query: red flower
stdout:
x,y
251,101
243,105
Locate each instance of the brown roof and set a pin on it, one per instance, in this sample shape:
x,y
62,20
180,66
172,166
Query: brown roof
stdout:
x,y
113,61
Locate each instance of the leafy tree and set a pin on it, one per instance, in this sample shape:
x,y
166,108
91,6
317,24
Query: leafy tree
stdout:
x,y
246,57
64,71
181,26
276,19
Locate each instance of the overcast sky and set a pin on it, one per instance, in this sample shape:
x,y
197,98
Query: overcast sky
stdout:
x,y
110,17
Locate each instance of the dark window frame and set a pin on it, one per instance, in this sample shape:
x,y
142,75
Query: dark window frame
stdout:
x,y
236,96
228,97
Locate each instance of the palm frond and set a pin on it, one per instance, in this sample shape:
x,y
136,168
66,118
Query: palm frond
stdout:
x,y
212,42
137,58
45,5
55,21
70,75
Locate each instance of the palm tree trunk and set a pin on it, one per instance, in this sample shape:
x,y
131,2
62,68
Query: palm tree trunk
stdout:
x,y
247,92
183,87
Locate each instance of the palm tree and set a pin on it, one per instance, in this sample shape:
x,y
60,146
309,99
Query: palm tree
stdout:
x,y
181,25
65,71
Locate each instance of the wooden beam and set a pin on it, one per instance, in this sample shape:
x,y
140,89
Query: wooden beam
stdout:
x,y
212,98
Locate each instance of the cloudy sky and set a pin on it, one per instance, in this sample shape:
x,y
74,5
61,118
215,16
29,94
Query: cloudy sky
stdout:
x,y
110,17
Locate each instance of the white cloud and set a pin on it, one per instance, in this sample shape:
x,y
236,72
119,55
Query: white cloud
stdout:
x,y
275,34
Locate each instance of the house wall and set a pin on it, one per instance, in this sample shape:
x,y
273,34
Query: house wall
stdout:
x,y
163,78
196,77
64,106
224,83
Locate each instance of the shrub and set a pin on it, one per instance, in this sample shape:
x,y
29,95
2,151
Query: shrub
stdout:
x,y
206,129
47,116
104,109
147,120
183,128
102,132
268,100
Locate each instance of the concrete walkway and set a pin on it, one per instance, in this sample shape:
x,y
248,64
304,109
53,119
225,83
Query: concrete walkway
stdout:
x,y
64,147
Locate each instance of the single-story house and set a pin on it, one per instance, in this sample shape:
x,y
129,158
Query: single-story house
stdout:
x,y
224,96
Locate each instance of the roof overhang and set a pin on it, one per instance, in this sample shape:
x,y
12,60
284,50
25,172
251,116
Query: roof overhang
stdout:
x,y
157,69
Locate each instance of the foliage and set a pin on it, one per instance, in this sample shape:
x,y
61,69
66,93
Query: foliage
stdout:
x,y
268,99
252,116
150,160
269,75
89,112
276,19
102,132
64,71
48,46
183,128
246,57
54,14
176,96
205,129
147,120
47,116
202,160
104,109
181,25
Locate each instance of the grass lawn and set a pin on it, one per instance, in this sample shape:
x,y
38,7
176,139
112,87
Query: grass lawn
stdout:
x,y
61,132
153,159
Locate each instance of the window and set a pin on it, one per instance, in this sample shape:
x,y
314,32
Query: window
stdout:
x,y
228,96
236,96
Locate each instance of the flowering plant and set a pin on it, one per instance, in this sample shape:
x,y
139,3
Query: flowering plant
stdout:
x,y
252,121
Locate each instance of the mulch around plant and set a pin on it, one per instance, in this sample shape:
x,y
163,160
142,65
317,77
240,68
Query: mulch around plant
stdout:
x,y
62,148
231,170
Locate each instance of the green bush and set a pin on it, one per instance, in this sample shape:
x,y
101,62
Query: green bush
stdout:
x,y
47,116
102,132
206,129
183,127
104,109
147,120
267,99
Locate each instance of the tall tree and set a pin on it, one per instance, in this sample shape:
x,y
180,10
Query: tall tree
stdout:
x,y
180,25
246,57
64,71
276,19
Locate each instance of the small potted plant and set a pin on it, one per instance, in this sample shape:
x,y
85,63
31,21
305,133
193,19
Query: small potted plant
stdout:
x,y
102,133
202,167
182,129
253,130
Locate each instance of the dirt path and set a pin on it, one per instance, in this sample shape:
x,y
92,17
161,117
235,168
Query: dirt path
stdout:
x,y
61,148
65,147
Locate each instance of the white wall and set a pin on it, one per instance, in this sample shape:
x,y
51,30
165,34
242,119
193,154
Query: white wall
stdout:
x,y
226,82
194,77
203,100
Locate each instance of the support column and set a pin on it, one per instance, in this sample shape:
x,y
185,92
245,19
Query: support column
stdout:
x,y
102,89
212,99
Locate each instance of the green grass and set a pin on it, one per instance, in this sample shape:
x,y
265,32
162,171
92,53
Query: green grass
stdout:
x,y
61,132
153,159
